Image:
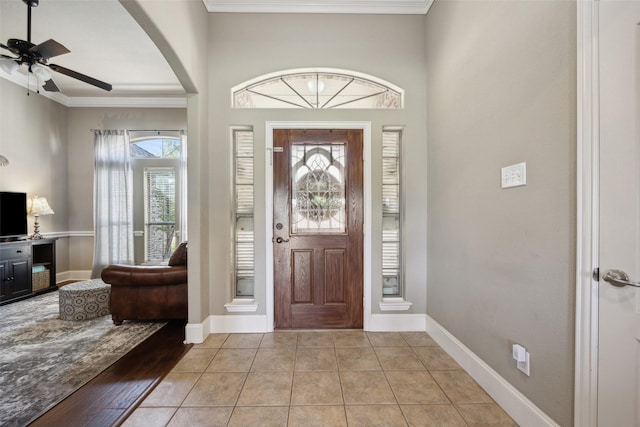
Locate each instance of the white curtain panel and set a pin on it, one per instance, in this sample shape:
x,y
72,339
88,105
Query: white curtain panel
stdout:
x,y
112,200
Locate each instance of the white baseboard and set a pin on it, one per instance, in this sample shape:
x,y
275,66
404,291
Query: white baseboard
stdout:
x,y
73,275
396,322
230,324
195,333
516,404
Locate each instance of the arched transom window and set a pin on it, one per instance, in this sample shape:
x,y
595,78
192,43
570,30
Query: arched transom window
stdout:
x,y
317,89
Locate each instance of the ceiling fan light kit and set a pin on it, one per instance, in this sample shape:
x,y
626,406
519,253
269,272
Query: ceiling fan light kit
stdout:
x,y
9,66
42,73
36,58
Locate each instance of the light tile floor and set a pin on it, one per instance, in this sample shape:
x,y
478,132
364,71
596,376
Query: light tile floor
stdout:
x,y
318,378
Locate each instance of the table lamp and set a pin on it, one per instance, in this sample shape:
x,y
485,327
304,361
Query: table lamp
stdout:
x,y
38,206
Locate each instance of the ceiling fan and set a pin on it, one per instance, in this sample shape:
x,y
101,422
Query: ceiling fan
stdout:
x,y
36,58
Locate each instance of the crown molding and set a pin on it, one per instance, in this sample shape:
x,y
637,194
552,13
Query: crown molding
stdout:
x,y
97,101
21,80
128,102
391,7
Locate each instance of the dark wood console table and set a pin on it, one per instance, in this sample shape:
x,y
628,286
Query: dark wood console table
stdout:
x,y
27,268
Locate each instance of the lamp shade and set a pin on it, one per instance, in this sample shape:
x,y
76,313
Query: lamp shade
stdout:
x,y
8,65
38,206
41,73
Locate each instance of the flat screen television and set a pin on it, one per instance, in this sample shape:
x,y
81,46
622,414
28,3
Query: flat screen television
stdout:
x,y
13,215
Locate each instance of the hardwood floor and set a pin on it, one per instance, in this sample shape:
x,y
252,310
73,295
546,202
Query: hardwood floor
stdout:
x,y
109,398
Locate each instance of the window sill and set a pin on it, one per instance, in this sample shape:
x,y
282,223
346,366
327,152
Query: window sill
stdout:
x,y
241,306
394,304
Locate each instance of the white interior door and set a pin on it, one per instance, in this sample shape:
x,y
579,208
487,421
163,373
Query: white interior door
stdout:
x,y
619,306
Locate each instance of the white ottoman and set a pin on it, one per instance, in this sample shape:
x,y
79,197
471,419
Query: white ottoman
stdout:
x,y
84,300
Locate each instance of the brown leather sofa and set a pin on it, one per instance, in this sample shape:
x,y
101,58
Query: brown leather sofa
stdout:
x,y
149,292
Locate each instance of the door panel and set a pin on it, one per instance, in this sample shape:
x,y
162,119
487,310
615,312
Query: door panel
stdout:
x,y
619,306
318,228
302,277
334,274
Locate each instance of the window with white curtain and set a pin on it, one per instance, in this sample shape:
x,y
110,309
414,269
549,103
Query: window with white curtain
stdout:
x,y
112,200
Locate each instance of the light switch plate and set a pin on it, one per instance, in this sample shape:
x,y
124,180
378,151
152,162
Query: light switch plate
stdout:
x,y
514,175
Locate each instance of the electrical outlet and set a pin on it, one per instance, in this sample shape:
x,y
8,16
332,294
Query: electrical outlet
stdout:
x,y
521,356
524,365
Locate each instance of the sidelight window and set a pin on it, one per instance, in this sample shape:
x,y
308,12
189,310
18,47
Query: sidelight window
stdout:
x,y
243,232
391,215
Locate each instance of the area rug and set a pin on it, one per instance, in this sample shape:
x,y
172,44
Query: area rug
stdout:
x,y
44,359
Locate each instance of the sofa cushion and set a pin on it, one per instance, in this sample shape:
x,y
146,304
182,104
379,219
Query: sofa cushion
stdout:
x,y
144,276
179,256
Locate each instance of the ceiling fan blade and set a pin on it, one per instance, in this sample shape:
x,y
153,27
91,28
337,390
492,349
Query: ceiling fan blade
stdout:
x,y
82,77
49,49
50,86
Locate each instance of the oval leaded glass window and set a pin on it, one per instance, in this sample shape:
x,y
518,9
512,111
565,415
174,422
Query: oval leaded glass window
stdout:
x,y
317,89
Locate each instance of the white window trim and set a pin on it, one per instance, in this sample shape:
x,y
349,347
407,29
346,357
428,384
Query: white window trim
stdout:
x,y
241,305
394,304
397,303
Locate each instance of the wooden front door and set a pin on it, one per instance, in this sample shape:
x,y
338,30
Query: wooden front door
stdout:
x,y
318,228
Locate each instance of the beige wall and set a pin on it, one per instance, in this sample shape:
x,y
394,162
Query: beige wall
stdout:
x,y
498,81
501,90
33,136
244,46
180,30
80,123
50,149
